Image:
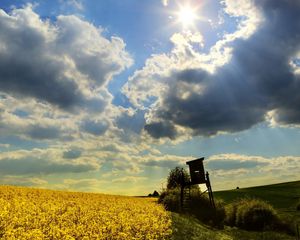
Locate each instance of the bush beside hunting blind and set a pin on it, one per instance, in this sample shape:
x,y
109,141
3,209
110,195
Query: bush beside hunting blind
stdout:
x,y
197,171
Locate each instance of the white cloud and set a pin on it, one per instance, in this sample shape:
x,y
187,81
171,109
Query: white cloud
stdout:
x,y
68,62
44,161
72,104
232,88
131,179
57,87
84,185
153,79
231,170
23,181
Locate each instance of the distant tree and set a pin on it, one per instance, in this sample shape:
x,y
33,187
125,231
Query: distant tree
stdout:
x,y
176,176
149,195
155,194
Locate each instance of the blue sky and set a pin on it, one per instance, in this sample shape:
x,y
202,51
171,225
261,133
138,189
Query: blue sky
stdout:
x,y
108,96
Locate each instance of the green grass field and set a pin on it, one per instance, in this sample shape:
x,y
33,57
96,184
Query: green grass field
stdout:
x,y
188,228
283,197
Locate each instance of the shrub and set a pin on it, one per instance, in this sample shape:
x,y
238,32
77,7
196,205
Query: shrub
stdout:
x,y
155,194
286,224
170,199
199,206
251,214
231,214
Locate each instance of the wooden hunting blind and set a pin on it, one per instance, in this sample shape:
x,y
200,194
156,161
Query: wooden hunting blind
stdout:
x,y
198,176
197,171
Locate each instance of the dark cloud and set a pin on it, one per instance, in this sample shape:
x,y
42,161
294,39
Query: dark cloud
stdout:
x,y
131,122
191,76
21,76
161,129
54,62
94,127
40,132
288,115
257,79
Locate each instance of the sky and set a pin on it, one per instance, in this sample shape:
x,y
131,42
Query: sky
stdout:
x,y
108,96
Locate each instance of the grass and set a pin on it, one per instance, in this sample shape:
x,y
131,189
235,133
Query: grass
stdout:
x,y
185,227
281,196
188,228
284,197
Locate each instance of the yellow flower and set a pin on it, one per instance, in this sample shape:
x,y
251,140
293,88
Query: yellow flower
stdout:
x,y
27,213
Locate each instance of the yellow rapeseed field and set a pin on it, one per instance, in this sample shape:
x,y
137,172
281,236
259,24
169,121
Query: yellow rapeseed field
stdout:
x,y
27,213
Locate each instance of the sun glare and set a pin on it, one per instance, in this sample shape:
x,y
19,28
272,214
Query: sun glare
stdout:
x,y
187,16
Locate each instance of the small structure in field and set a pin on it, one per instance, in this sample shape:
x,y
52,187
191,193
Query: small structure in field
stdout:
x,y
197,171
198,176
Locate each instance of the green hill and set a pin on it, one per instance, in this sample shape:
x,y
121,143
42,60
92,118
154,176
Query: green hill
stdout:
x,y
283,196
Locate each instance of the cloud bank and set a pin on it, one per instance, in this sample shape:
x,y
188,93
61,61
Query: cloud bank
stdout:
x,y
48,161
54,77
200,94
65,63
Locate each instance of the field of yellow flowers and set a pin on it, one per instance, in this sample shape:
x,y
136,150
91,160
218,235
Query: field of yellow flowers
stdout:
x,y
27,213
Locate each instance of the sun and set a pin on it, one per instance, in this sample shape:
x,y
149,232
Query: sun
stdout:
x,y
187,15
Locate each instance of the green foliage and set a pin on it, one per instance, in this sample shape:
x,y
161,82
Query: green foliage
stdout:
x,y
231,209
255,215
154,194
283,197
186,227
286,224
170,199
176,177
198,206
251,214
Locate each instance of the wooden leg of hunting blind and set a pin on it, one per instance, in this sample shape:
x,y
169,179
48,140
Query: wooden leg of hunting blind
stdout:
x,y
181,189
210,193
